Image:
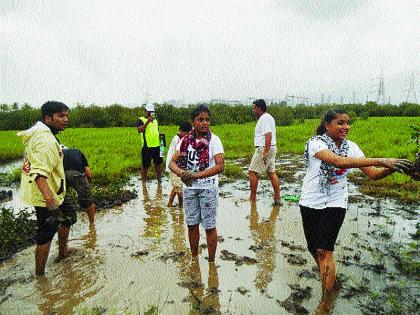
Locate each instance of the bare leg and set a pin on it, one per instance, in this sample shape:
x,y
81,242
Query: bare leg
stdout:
x,y
171,198
327,275
276,186
143,173
253,183
63,237
211,236
158,170
41,256
194,238
91,213
180,199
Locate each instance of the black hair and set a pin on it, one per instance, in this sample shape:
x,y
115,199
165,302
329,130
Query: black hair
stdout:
x,y
185,126
51,107
261,104
198,110
329,116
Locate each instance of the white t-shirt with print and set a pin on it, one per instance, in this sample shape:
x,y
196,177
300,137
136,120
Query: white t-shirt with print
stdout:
x,y
265,124
215,147
337,196
175,140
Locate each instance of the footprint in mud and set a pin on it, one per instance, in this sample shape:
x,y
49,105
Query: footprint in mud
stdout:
x,y
295,259
293,303
242,290
307,274
261,246
175,256
140,253
292,246
5,283
239,260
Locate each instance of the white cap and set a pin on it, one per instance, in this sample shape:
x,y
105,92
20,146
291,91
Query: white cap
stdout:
x,y
150,107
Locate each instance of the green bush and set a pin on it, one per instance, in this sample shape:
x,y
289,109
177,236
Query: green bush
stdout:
x,y
16,232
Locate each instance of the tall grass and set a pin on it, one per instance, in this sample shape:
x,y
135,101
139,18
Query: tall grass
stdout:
x,y
115,152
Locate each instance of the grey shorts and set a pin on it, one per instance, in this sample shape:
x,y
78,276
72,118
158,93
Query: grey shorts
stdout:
x,y
201,207
257,164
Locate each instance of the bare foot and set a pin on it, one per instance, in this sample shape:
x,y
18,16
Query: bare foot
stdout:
x,y
323,308
67,253
277,202
171,205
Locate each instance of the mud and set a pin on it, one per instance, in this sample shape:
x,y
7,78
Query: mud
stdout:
x,y
137,258
239,260
293,303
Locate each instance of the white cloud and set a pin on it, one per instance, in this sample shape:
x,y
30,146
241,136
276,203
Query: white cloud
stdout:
x,y
117,51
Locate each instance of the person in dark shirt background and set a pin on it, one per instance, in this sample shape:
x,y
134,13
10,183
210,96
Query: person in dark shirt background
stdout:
x,y
78,175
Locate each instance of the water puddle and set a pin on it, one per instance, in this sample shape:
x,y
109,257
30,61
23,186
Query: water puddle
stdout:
x,y
137,255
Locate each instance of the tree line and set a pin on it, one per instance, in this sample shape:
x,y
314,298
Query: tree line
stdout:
x,y
19,117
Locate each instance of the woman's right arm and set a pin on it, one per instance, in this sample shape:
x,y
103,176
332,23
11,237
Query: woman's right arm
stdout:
x,y
399,165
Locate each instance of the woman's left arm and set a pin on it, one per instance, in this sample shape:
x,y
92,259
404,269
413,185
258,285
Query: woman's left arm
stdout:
x,y
377,173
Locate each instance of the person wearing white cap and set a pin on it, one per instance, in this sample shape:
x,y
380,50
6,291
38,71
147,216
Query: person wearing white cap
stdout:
x,y
149,128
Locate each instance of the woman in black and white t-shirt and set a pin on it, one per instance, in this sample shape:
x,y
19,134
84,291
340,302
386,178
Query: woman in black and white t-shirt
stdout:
x,y
328,157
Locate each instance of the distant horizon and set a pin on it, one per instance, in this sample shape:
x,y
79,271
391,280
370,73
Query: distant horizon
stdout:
x,y
225,102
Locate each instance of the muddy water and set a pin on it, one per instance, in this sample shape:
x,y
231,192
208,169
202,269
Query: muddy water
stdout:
x,y
137,256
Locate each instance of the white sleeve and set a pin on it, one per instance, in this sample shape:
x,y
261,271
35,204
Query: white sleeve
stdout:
x,y
315,146
171,150
178,146
265,124
217,145
355,151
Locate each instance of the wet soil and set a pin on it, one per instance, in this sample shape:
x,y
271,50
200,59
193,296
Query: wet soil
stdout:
x,y
137,256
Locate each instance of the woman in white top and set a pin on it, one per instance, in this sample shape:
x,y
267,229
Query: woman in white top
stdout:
x,y
328,157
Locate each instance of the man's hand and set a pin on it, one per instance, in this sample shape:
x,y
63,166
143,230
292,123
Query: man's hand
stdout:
x,y
187,178
265,157
150,118
52,206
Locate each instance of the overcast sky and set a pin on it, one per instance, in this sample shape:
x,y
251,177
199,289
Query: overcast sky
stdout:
x,y
108,52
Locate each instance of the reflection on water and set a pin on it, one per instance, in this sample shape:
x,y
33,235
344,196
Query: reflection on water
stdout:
x,y
114,267
264,235
156,217
75,281
203,301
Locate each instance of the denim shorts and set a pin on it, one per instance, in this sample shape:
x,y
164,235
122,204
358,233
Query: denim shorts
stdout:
x,y
201,207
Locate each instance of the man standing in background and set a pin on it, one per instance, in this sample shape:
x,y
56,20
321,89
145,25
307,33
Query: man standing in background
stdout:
x,y
43,182
263,160
149,128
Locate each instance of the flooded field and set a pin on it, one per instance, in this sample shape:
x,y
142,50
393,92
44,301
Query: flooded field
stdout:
x,y
137,257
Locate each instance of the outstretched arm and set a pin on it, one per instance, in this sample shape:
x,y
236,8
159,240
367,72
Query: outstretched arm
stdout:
x,y
400,165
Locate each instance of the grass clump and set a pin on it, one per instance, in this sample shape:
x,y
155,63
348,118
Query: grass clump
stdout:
x,y
16,232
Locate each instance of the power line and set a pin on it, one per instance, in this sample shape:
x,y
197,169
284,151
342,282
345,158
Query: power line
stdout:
x,y
411,93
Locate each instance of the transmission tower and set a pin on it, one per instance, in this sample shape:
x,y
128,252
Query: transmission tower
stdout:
x,y
380,98
411,93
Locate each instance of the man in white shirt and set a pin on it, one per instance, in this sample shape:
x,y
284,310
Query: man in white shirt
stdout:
x,y
263,160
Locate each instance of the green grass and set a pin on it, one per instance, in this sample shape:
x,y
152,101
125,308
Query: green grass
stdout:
x,y
114,153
